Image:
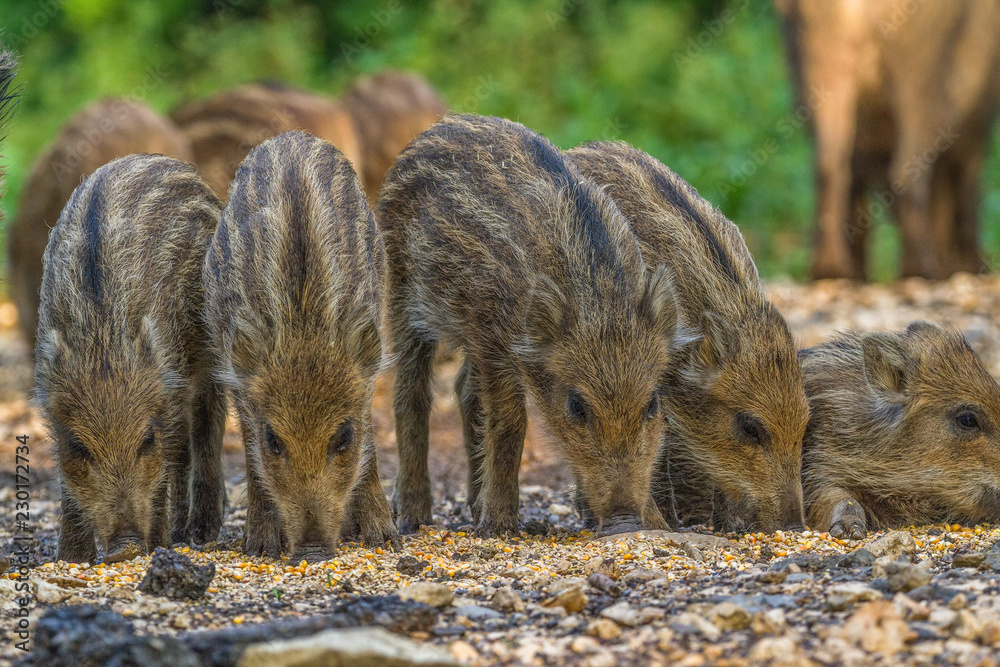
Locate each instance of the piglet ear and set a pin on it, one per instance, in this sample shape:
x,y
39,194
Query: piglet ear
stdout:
x,y
719,341
887,364
361,334
659,303
925,327
149,344
548,312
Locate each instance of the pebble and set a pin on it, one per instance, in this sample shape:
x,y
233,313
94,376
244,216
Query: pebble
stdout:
x,y
428,592
770,622
559,509
345,646
841,596
507,601
622,613
475,613
893,544
572,599
584,644
604,629
641,575
410,566
172,574
464,651
905,577
691,623
877,627
603,583
728,616
966,625
968,559
602,565
859,558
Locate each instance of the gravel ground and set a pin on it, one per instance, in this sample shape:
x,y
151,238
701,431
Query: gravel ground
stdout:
x,y
556,595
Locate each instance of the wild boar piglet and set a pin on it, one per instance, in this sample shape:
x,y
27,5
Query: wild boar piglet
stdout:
x,y
295,282
732,396
903,430
498,247
122,371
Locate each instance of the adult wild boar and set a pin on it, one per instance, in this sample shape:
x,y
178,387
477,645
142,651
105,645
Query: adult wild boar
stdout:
x,y
224,127
122,370
903,431
499,248
98,134
901,97
732,396
295,283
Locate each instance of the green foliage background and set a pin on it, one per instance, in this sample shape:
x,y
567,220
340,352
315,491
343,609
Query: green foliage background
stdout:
x,y
701,85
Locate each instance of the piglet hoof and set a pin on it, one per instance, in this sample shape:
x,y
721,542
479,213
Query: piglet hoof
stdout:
x,y
262,543
496,528
850,529
407,525
379,535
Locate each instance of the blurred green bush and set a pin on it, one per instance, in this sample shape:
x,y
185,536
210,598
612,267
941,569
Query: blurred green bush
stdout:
x,y
702,85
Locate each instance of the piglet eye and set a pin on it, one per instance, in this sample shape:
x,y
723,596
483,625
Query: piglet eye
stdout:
x,y
576,408
652,408
148,442
272,442
76,448
967,420
751,428
342,440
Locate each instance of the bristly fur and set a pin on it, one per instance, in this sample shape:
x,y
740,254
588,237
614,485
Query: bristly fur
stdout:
x,y
122,371
735,356
224,127
883,448
295,283
389,110
498,247
93,137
